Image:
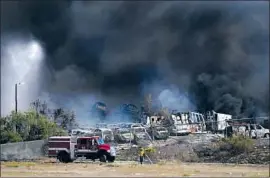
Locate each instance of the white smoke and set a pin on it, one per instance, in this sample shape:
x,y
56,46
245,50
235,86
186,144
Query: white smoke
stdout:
x,y
169,96
22,60
173,99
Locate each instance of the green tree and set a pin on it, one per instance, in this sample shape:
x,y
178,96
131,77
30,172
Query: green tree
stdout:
x,y
64,118
41,107
27,126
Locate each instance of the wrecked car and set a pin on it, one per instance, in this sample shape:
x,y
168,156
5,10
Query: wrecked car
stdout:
x,y
75,132
123,135
140,133
105,134
249,130
159,133
257,131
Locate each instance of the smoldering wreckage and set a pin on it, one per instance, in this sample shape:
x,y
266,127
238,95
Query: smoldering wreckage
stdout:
x,y
108,142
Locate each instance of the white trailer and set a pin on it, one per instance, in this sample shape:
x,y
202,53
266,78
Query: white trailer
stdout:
x,y
222,121
217,122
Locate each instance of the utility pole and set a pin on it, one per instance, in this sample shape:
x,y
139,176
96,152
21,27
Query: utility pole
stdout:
x,y
16,98
16,95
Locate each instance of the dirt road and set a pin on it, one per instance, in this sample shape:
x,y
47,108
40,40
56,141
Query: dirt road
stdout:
x,y
49,169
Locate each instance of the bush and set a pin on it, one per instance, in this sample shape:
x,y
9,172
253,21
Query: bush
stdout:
x,y
237,144
27,126
14,137
150,150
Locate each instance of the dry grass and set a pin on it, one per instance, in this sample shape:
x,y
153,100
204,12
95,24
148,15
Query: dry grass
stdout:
x,y
163,169
18,164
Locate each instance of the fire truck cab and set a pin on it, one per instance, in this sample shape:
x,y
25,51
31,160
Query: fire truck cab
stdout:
x,y
69,148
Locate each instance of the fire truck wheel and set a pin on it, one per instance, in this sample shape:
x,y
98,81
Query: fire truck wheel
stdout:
x,y
102,158
111,159
63,157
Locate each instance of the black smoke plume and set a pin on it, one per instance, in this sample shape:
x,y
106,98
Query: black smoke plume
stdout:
x,y
214,53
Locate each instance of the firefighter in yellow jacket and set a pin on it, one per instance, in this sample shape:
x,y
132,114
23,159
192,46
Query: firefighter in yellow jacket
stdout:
x,y
141,154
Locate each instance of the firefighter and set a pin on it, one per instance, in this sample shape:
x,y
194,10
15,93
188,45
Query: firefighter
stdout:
x,y
141,154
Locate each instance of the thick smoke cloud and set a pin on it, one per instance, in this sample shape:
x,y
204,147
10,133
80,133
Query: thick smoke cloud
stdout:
x,y
216,52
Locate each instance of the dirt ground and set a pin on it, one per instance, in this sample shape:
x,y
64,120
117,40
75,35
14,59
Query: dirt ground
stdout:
x,y
49,169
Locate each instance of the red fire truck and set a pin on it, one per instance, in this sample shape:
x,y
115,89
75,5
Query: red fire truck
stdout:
x,y
69,148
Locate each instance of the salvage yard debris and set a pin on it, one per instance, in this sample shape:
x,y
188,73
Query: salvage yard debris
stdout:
x,y
190,132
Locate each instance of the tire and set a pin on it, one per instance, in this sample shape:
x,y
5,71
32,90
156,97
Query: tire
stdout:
x,y
267,135
102,158
63,157
111,159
